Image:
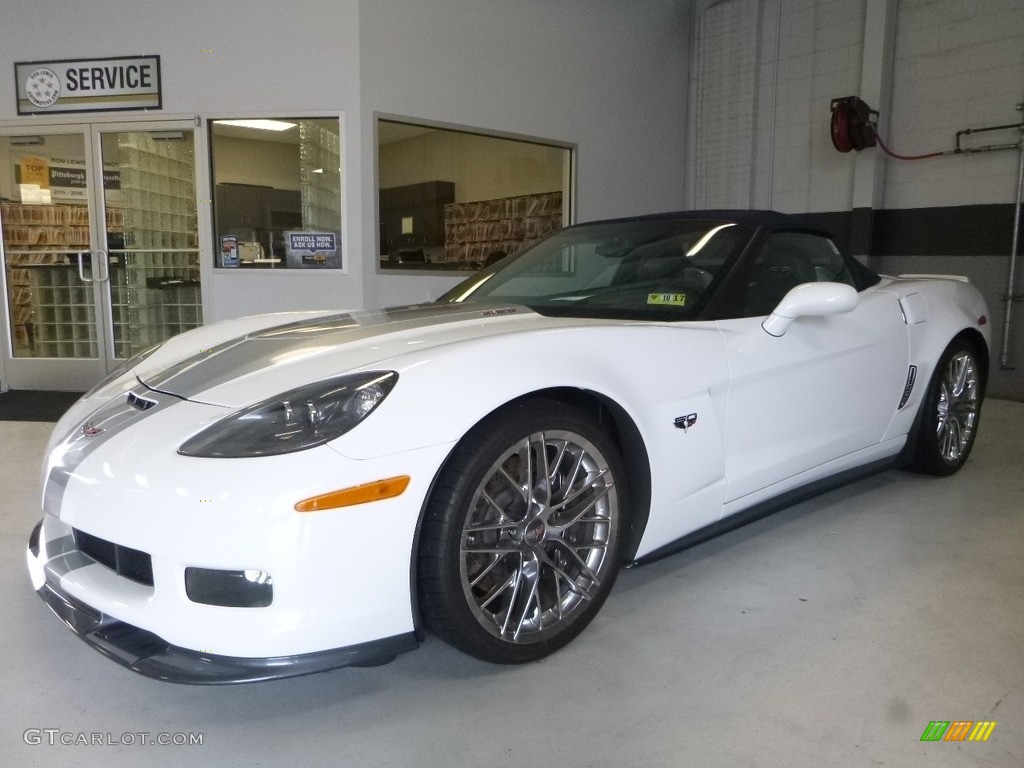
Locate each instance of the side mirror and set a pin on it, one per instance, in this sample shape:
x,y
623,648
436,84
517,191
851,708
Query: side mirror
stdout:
x,y
810,300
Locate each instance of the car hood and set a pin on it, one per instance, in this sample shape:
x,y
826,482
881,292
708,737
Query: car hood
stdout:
x,y
237,371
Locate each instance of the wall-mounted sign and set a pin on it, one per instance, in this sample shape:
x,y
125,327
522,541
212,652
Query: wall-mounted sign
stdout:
x,y
42,179
88,85
312,249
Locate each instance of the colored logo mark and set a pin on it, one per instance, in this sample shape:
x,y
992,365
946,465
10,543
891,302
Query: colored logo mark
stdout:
x,y
958,730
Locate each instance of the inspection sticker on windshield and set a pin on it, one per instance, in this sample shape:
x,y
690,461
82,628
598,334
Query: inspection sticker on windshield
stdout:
x,y
667,299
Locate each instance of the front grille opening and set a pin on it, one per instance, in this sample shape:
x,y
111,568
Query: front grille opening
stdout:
x,y
124,561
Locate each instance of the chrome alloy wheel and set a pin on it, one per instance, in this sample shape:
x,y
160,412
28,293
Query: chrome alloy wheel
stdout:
x,y
957,410
535,545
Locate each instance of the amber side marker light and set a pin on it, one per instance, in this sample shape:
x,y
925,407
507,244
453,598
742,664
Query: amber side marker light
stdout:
x,y
378,490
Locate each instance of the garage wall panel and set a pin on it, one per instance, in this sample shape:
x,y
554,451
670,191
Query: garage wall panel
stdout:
x,y
607,76
231,55
253,58
810,51
725,99
958,64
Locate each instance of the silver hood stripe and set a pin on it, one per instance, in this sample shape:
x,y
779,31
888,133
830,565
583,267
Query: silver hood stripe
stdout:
x,y
112,417
255,351
232,359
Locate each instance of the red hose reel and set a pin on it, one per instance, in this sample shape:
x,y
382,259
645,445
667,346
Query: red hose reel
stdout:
x,y
853,124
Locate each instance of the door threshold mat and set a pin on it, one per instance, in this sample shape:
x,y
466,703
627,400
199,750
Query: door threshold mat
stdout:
x,y
35,405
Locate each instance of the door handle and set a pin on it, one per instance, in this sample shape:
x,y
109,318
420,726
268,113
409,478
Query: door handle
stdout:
x,y
100,267
81,267
103,260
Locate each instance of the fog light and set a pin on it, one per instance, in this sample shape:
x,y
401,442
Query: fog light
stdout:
x,y
257,577
249,588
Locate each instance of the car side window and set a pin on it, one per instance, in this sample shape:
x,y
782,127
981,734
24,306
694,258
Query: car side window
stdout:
x,y
789,259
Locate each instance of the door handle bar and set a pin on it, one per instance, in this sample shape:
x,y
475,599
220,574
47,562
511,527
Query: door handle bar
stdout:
x,y
100,267
81,268
105,270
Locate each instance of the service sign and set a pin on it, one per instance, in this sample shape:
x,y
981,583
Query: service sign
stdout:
x,y
88,85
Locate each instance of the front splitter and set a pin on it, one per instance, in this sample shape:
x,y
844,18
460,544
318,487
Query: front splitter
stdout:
x,y
150,655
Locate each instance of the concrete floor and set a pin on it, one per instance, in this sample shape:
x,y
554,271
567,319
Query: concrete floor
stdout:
x,y
829,634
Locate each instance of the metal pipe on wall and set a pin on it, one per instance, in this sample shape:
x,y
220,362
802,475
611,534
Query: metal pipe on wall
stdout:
x,y
1010,296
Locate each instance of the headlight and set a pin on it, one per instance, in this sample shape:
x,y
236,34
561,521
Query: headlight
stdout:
x,y
294,420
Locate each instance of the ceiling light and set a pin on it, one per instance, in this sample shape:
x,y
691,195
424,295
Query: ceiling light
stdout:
x,y
263,125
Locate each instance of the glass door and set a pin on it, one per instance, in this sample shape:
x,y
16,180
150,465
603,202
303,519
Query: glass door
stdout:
x,y
49,280
152,238
99,248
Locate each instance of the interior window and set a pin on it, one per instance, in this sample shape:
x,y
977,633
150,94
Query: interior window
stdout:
x,y
277,193
789,259
461,200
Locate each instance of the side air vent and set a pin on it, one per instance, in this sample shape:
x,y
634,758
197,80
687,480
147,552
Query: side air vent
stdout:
x,y
909,387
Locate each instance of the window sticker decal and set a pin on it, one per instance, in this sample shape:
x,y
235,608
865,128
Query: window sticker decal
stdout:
x,y
667,299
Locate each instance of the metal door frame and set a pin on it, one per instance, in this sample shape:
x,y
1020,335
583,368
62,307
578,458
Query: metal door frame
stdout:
x,y
77,374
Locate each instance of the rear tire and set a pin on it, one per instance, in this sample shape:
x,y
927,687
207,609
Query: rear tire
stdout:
x,y
522,536
950,411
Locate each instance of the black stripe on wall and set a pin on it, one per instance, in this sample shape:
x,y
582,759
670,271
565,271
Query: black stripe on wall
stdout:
x,y
963,230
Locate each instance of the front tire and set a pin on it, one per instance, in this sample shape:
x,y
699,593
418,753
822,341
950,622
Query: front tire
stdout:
x,y
951,409
522,536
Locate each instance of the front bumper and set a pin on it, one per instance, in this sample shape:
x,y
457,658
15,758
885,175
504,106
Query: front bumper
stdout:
x,y
139,545
150,655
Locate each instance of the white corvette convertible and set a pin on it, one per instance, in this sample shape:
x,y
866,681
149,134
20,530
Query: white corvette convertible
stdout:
x,y
284,494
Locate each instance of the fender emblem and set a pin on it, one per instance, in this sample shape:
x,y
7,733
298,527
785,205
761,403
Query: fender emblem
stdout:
x,y
685,422
90,431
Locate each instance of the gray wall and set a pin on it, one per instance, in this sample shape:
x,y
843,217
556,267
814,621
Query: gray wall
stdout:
x,y
606,76
763,75
669,103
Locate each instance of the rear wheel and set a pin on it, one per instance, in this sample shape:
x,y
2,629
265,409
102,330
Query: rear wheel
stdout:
x,y
952,407
521,542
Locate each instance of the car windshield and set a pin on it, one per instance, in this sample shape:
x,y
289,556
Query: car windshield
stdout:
x,y
657,269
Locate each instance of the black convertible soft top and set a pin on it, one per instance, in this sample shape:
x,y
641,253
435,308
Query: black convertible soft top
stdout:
x,y
772,220
764,220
